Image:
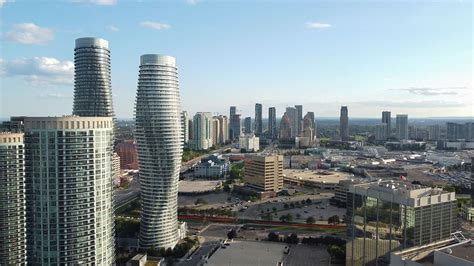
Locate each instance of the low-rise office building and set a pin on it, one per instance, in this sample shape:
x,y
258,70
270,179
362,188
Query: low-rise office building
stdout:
x,y
212,166
249,143
264,172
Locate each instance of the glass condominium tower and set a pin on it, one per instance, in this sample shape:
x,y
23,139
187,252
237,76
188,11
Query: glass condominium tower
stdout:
x,y
68,177
92,84
159,148
12,200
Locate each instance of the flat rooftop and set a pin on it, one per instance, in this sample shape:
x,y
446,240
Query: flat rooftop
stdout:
x,y
244,253
464,251
316,175
186,186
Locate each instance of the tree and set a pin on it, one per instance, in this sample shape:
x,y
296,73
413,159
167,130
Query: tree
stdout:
x,y
292,205
274,209
232,234
286,206
272,236
308,201
310,220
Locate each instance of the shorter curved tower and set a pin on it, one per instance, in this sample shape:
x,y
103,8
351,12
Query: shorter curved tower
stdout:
x,y
159,148
92,82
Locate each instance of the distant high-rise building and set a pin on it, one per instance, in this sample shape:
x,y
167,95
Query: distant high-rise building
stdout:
x,y
299,119
258,119
234,127
224,129
308,127
344,124
127,151
12,199
185,126
264,172
202,130
402,127
388,216
92,82
456,131
272,127
160,148
285,128
233,111
387,119
69,193
434,132
381,132
292,115
216,130
248,125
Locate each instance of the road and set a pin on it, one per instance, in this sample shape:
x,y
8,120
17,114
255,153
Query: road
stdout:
x,y
123,196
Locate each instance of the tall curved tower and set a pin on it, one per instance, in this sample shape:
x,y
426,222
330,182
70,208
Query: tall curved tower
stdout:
x,y
159,147
92,84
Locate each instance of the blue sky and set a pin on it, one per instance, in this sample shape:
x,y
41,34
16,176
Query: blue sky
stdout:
x,y
410,57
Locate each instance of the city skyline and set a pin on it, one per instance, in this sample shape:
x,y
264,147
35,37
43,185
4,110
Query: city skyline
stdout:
x,y
421,68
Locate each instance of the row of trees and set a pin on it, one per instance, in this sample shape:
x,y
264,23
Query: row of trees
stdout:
x,y
206,212
297,203
126,227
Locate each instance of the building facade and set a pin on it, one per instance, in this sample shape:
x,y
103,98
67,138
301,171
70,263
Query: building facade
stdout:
x,y
12,200
216,130
92,82
381,132
264,172
434,132
69,193
127,151
285,128
159,146
248,125
202,132
402,127
387,119
258,120
249,143
272,127
388,216
185,127
344,124
234,127
224,129
299,119
212,166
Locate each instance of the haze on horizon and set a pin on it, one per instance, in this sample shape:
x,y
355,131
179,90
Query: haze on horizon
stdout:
x,y
406,57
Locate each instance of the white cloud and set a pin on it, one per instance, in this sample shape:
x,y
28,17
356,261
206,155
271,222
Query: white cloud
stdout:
x,y
98,2
192,2
317,25
29,33
428,91
3,2
40,71
112,28
154,25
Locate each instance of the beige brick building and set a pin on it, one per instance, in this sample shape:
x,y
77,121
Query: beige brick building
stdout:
x,y
264,172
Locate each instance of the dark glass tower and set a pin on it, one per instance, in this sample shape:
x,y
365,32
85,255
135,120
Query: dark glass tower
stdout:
x,y
92,84
344,124
272,129
258,119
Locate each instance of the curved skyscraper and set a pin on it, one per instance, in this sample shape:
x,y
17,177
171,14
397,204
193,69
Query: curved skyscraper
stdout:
x,y
92,85
12,200
159,147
